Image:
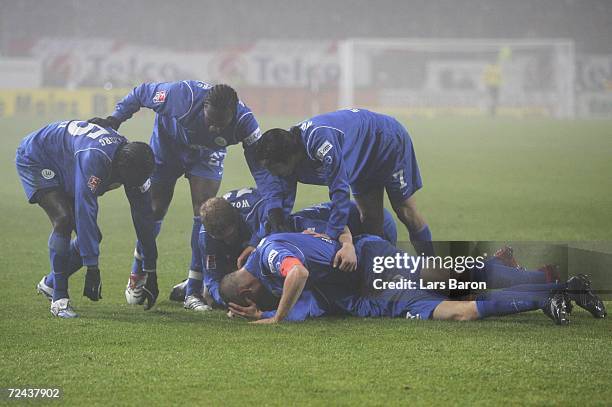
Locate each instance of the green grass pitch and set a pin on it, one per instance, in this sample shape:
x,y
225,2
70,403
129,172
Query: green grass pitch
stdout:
x,y
483,179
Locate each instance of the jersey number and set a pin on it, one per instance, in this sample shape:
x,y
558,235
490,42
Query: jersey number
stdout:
x,y
90,130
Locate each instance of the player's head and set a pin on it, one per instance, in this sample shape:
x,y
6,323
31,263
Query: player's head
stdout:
x,y
236,287
221,220
220,108
133,163
279,151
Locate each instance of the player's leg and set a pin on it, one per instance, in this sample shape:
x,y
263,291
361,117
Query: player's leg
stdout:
x,y
370,204
59,209
401,183
550,298
168,168
204,173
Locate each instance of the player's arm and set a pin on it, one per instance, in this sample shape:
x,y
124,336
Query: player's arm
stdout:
x,y
295,275
174,99
346,258
144,223
90,173
213,265
305,307
324,146
270,186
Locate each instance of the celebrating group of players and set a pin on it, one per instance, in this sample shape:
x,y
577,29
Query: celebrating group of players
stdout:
x,y
250,253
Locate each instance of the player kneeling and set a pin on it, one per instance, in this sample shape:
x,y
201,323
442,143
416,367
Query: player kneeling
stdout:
x,y
64,167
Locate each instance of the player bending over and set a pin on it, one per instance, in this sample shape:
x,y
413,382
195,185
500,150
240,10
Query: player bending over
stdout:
x,y
231,228
194,123
346,150
308,287
65,167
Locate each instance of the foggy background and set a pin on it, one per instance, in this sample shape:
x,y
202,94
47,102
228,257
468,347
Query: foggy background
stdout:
x,y
551,57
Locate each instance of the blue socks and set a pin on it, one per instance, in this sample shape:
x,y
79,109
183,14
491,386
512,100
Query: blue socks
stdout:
x,y
496,275
59,256
196,258
421,240
137,264
526,297
75,262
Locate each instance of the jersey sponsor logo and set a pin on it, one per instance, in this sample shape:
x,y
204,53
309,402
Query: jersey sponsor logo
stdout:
x,y
272,261
324,149
241,204
93,183
211,262
160,96
145,187
47,173
220,141
256,135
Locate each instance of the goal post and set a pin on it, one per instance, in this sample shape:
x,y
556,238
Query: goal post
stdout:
x,y
459,76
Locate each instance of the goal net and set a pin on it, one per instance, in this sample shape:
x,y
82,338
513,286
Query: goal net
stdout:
x,y
465,77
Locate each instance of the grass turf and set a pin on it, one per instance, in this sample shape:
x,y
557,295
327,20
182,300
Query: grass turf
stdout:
x,y
484,180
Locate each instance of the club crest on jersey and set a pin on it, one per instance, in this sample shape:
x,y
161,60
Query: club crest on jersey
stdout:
x,y
93,183
324,149
211,262
160,97
220,141
47,173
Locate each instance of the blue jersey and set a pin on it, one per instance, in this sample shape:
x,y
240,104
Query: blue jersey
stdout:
x,y
181,105
78,157
315,253
345,148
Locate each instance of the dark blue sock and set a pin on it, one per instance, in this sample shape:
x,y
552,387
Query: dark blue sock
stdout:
x,y
196,259
421,240
137,263
194,283
520,298
496,275
75,262
59,255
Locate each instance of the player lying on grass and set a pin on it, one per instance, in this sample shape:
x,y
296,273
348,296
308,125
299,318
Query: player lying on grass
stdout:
x,y
194,123
296,269
231,228
65,167
356,150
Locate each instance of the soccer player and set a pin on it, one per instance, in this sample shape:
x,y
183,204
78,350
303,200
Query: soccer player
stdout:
x,y
64,167
231,228
287,264
356,150
194,123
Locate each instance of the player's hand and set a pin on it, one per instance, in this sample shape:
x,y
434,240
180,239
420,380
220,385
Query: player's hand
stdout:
x,y
93,284
272,320
250,312
110,121
346,258
277,222
150,290
244,256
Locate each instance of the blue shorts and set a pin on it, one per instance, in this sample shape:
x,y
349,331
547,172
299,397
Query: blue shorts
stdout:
x,y
35,176
173,159
406,303
398,172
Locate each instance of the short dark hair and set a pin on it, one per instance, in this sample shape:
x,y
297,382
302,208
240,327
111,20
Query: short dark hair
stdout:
x,y
222,97
217,214
276,145
134,163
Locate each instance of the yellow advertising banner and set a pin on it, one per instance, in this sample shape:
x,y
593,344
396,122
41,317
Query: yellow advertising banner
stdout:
x,y
84,102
